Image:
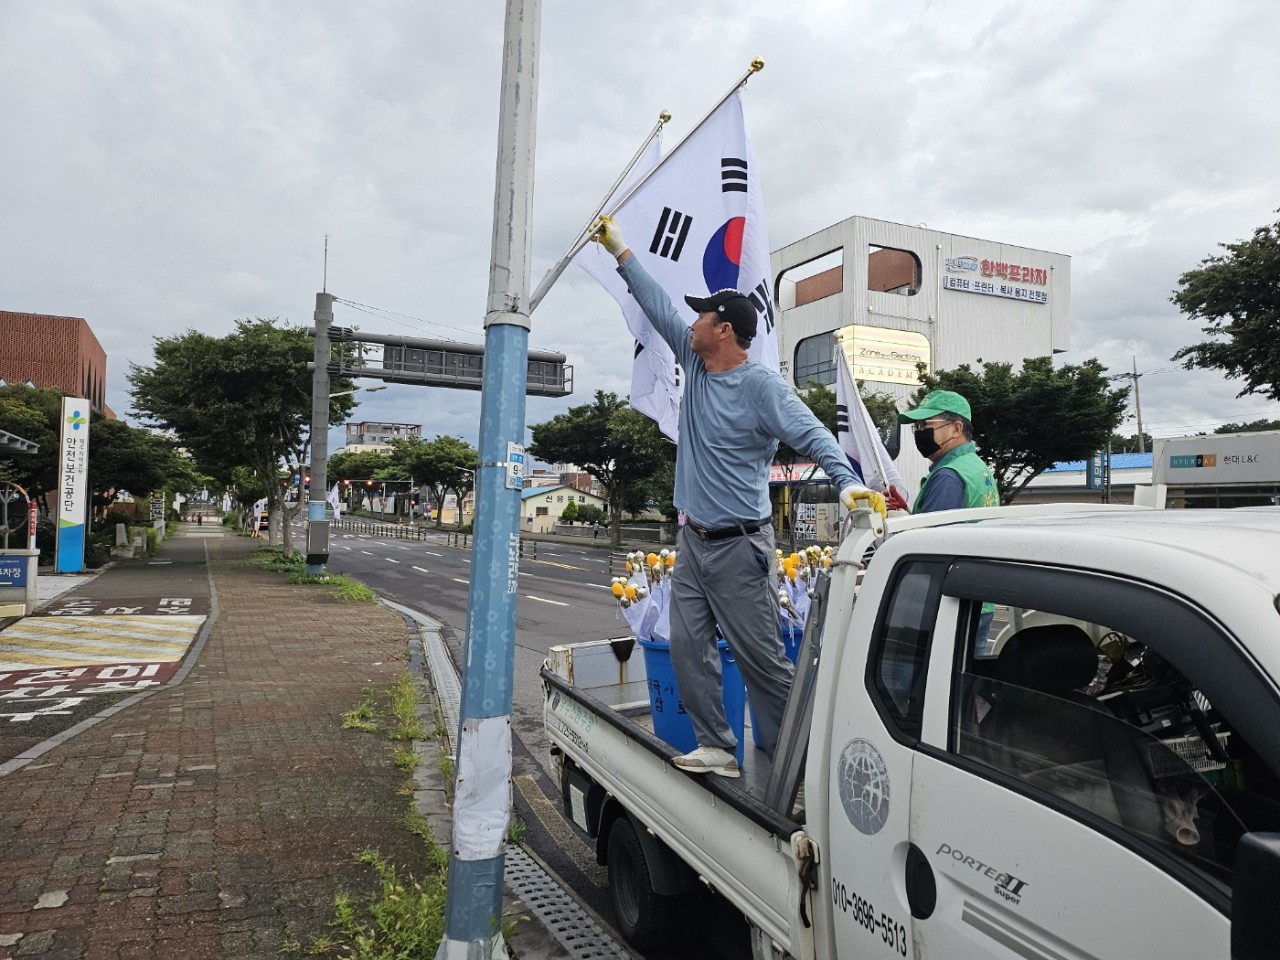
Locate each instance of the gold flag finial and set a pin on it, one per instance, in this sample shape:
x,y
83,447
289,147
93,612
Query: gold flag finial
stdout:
x,y
757,64
664,116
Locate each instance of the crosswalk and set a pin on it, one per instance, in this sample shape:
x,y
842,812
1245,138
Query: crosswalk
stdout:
x,y
74,641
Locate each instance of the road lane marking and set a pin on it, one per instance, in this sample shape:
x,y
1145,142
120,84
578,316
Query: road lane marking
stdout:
x,y
433,553
459,580
465,560
420,570
391,559
530,596
95,640
601,586
366,553
401,546
562,566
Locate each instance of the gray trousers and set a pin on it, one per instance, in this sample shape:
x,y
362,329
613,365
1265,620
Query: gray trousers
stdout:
x,y
731,582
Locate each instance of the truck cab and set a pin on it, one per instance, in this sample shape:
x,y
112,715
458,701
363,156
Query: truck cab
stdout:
x,y
1074,784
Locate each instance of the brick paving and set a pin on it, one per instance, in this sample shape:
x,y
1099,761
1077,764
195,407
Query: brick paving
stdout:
x,y
217,817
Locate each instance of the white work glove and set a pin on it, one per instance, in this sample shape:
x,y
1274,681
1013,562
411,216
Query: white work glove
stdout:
x,y
605,232
854,492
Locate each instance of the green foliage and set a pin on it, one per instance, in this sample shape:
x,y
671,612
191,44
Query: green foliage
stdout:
x,y
34,415
1130,444
404,919
444,465
1025,422
1253,426
363,716
242,400
570,512
617,445
589,513
1237,296
404,709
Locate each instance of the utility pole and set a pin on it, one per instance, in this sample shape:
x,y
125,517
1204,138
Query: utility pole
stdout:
x,y
1137,400
317,525
482,784
1137,407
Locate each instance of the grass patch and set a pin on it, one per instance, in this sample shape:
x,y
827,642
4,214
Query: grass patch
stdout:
x,y
345,589
364,715
404,918
404,709
405,758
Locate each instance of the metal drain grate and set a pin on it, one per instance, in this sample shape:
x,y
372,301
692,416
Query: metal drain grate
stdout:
x,y
560,914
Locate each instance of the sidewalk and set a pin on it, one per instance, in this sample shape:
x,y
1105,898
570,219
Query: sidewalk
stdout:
x,y
219,814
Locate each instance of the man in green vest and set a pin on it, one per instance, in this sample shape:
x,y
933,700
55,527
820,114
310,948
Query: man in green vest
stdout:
x,y
942,427
943,431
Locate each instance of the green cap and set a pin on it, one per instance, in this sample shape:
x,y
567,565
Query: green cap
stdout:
x,y
940,401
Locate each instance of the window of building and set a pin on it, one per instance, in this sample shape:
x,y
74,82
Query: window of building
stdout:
x,y
890,270
540,511
815,359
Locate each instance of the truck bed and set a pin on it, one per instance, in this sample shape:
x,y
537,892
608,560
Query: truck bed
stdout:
x,y
597,712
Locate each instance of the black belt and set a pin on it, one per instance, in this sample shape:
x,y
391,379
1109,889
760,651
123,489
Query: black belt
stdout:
x,y
750,526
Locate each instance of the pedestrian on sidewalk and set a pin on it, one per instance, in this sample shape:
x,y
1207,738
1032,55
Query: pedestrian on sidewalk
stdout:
x,y
732,416
595,529
199,519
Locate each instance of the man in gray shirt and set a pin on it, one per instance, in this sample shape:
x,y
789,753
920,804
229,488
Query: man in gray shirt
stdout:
x,y
733,413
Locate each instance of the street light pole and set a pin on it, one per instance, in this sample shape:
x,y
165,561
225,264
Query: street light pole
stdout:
x,y
482,785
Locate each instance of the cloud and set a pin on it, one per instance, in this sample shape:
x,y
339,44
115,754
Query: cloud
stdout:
x,y
172,166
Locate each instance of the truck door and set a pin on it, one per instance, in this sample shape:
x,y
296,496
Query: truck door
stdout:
x,y
1080,791
872,739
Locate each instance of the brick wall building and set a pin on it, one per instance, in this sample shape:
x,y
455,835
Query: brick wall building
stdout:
x,y
59,352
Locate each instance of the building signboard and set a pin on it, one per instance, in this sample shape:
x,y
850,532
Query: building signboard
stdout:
x,y
73,485
1218,459
883,354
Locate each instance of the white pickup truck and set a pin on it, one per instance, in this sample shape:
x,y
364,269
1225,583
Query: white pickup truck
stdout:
x,y
1098,777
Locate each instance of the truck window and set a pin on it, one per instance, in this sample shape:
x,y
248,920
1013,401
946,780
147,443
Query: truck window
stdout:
x,y
900,656
1095,721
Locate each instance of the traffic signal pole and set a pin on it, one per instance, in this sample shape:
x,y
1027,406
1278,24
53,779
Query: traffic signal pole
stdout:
x,y
482,785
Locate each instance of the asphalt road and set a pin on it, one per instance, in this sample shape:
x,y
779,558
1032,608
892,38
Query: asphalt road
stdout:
x,y
564,597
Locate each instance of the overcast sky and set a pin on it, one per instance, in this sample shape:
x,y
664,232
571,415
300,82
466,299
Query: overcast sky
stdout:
x,y
170,165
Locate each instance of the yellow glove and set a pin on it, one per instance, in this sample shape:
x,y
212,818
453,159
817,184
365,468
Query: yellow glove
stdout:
x,y
851,494
605,231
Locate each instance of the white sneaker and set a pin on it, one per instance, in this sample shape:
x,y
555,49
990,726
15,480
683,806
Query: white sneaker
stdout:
x,y
710,760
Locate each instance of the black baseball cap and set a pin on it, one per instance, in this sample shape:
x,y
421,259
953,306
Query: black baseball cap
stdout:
x,y
733,307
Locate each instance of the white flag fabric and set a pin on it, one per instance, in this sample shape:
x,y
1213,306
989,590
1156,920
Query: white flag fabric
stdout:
x,y
335,501
697,226
858,437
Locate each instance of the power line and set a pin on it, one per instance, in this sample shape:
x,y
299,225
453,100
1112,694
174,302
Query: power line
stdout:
x,y
390,315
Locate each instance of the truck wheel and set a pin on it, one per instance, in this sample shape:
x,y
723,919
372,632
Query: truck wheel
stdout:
x,y
645,917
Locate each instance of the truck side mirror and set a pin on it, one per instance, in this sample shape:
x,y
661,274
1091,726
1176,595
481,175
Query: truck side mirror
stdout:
x,y
1255,922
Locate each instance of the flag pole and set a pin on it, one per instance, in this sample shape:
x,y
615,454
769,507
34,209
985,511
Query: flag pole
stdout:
x,y
553,274
756,66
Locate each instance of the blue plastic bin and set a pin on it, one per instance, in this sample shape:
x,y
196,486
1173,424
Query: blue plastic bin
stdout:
x,y
792,636
670,722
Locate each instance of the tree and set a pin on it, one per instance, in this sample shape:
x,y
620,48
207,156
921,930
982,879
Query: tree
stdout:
x,y
443,465
589,513
1254,426
123,458
1025,422
617,445
243,399
1129,444
1238,296
32,415
570,512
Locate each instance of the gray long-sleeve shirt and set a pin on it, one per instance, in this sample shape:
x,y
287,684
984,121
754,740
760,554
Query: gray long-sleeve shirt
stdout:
x,y
730,423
